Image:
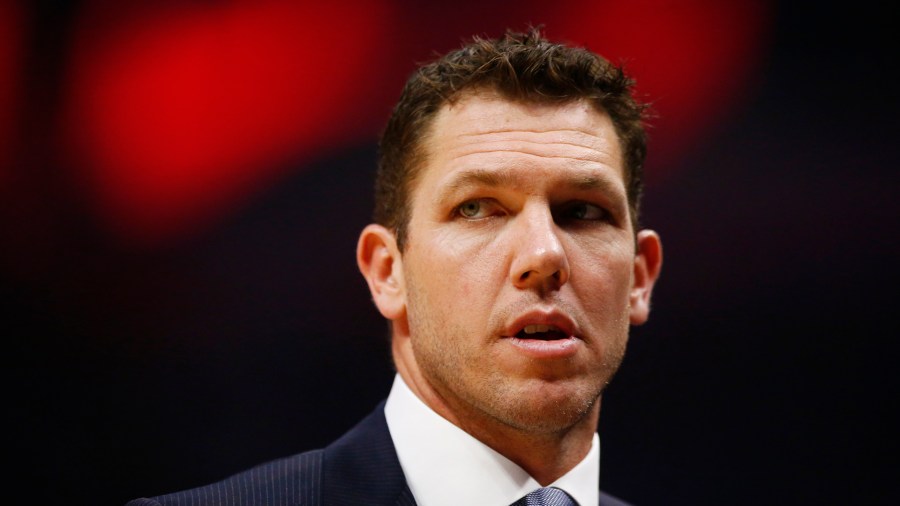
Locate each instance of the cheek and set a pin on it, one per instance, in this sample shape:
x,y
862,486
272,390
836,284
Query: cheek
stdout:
x,y
604,281
471,264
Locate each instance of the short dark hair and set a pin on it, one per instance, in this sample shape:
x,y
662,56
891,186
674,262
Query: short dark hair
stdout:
x,y
520,66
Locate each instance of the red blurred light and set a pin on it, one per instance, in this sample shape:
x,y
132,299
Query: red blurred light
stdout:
x,y
691,59
181,114
11,33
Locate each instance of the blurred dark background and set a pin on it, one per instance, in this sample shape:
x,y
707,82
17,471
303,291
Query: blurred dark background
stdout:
x,y
182,183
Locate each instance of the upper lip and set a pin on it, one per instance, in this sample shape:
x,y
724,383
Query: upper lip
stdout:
x,y
552,318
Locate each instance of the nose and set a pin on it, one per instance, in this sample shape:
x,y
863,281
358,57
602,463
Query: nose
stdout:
x,y
539,258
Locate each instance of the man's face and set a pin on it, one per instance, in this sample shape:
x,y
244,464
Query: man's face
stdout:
x,y
520,263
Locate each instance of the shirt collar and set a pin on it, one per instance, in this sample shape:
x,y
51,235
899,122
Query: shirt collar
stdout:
x,y
444,465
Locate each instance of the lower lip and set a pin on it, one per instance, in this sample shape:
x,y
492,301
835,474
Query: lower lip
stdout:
x,y
536,348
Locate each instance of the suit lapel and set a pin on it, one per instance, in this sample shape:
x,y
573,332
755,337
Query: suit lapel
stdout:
x,y
362,467
405,498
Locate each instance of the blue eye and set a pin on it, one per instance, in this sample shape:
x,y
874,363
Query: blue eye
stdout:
x,y
470,209
477,209
585,211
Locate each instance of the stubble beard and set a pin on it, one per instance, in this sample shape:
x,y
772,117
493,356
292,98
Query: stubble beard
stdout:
x,y
473,390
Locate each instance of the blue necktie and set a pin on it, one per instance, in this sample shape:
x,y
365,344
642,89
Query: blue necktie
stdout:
x,y
547,496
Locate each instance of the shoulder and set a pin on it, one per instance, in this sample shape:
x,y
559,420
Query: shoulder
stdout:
x,y
361,467
608,500
293,480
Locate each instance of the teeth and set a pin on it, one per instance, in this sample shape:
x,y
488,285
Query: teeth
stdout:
x,y
534,329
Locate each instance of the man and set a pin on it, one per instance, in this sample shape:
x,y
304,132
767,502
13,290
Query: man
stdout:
x,y
506,257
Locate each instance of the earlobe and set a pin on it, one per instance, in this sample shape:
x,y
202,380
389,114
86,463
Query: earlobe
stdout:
x,y
647,265
380,263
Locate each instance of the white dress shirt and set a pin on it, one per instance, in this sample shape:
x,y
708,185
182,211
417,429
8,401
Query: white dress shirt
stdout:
x,y
445,466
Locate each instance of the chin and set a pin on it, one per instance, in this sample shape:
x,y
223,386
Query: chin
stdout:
x,y
550,408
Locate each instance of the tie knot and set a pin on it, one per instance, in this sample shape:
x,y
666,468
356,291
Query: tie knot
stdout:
x,y
547,496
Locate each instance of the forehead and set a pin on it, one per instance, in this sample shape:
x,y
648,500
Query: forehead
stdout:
x,y
484,131
491,110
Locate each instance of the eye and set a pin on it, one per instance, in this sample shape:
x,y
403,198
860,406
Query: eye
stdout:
x,y
477,208
584,211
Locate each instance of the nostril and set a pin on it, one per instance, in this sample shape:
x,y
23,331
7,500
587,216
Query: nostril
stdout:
x,y
524,276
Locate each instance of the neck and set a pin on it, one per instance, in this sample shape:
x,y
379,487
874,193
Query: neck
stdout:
x,y
545,456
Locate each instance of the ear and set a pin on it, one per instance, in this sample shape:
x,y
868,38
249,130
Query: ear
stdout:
x,y
380,263
647,264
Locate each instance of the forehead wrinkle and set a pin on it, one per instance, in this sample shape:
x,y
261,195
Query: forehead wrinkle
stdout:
x,y
598,149
587,148
499,131
588,159
563,137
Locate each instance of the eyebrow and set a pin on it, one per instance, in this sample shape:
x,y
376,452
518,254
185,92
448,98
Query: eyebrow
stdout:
x,y
480,177
502,177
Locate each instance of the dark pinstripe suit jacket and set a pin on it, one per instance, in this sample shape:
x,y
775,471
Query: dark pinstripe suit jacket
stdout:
x,y
360,468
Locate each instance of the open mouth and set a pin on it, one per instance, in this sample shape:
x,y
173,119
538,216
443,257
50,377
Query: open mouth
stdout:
x,y
541,332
